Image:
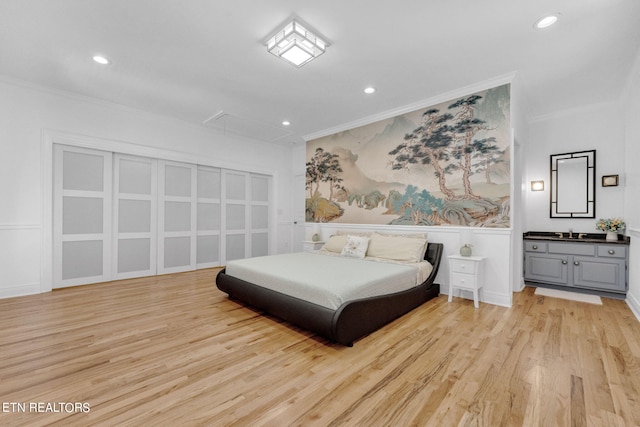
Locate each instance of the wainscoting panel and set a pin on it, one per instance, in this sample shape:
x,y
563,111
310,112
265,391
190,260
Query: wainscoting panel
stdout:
x,y
19,262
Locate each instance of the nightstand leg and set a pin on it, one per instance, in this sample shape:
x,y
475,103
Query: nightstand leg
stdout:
x,y
475,298
450,292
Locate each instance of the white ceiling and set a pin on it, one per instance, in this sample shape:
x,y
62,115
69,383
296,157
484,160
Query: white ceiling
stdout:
x,y
194,59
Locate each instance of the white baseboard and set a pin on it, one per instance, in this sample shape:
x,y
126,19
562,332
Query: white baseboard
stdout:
x,y
634,305
484,296
19,291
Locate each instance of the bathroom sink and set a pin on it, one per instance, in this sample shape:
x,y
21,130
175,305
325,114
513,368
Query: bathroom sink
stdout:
x,y
584,237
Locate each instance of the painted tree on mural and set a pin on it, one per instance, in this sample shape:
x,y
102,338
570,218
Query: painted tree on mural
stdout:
x,y
323,167
446,142
428,144
464,128
489,154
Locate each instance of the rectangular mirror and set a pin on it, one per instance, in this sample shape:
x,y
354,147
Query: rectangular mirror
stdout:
x,y
573,177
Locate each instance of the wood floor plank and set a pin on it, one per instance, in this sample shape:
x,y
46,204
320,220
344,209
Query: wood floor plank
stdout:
x,y
174,350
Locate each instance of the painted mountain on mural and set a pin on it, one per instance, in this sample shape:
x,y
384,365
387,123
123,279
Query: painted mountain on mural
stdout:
x,y
446,164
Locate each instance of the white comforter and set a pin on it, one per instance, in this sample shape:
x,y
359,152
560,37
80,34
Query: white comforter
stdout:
x,y
328,280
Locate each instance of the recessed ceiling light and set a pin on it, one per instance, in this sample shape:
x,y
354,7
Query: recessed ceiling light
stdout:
x,y
369,90
286,123
100,60
546,21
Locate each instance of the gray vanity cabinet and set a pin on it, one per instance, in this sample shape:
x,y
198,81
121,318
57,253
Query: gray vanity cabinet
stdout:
x,y
593,266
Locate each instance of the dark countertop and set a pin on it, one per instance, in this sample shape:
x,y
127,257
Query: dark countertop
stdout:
x,y
586,237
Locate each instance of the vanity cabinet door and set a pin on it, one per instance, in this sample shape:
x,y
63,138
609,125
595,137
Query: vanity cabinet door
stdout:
x,y
599,273
546,268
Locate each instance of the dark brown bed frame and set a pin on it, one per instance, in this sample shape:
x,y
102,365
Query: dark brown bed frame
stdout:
x,y
352,320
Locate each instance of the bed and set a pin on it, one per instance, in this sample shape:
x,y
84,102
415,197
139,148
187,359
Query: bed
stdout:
x,y
343,319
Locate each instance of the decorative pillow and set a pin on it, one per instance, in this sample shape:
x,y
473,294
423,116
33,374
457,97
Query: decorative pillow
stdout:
x,y
335,244
356,247
407,249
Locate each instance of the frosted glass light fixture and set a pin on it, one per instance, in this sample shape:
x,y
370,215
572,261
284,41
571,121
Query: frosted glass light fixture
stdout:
x,y
295,44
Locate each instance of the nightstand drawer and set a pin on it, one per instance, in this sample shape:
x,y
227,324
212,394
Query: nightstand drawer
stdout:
x,y
465,281
463,266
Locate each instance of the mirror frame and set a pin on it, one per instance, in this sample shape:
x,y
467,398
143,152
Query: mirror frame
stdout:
x,y
590,190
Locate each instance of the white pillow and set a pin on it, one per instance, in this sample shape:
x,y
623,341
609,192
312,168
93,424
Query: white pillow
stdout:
x,y
335,244
356,247
406,249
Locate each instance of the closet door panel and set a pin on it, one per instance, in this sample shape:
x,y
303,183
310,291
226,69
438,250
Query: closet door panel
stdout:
x,y
135,216
208,217
83,170
177,216
208,250
81,259
82,229
134,255
259,244
177,252
235,246
82,215
260,218
177,220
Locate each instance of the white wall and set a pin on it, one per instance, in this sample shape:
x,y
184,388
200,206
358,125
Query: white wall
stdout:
x,y
631,106
597,127
28,114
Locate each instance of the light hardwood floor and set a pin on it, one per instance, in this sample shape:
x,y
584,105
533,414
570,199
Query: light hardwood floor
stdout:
x,y
173,350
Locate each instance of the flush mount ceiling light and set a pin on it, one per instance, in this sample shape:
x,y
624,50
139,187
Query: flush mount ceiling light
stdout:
x,y
369,90
101,60
546,21
295,44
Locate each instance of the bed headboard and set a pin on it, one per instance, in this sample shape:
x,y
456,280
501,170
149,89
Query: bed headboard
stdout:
x,y
434,256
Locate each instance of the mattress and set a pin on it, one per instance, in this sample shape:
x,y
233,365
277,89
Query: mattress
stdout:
x,y
326,280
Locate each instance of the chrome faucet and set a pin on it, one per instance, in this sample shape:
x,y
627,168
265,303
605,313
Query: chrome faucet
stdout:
x,y
571,233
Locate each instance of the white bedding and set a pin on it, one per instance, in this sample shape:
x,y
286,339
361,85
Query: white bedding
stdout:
x,y
329,280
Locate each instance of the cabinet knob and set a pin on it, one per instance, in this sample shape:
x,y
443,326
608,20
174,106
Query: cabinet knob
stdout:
x,y
564,261
576,263
535,247
611,252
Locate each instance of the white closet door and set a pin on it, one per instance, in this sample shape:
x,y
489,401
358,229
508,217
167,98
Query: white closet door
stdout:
x,y
135,216
245,215
82,197
259,186
235,193
208,218
177,218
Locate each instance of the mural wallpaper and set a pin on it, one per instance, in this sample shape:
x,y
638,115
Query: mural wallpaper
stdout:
x,y
443,165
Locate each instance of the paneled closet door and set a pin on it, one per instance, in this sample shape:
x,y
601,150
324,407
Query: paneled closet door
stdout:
x,y
135,216
235,208
259,186
82,196
245,215
177,216
209,218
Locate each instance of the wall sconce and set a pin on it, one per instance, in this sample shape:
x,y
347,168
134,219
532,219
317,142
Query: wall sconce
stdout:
x,y
295,44
537,185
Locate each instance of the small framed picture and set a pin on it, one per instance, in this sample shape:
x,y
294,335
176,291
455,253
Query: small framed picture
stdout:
x,y
609,180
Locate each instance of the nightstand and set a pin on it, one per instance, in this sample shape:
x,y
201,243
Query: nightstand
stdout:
x,y
466,272
310,246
